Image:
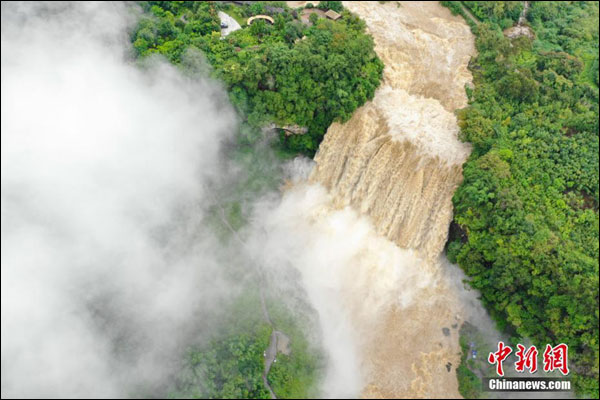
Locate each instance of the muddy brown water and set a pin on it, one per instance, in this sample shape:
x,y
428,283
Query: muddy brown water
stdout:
x,y
398,161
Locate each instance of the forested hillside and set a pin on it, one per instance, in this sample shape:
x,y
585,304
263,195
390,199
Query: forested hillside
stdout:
x,y
526,216
298,73
292,72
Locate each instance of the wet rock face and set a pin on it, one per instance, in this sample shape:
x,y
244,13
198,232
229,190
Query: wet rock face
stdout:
x,y
398,161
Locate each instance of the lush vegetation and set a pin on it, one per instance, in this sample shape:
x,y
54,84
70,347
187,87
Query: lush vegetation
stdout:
x,y
469,383
526,216
291,73
331,5
502,13
295,376
232,363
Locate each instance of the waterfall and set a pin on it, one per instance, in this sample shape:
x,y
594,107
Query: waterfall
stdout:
x,y
398,159
397,162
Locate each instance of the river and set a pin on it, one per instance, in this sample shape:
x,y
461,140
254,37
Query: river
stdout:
x,y
398,161
365,230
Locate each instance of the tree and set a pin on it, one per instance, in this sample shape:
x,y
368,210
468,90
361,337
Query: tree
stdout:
x,y
331,5
528,205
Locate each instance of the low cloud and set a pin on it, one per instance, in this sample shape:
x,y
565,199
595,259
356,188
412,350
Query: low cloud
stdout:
x,y
105,167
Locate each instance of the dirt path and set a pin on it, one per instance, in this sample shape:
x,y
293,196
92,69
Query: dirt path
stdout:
x,y
279,341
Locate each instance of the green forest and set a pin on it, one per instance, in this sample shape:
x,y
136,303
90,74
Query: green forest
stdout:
x,y
526,216
290,73
232,363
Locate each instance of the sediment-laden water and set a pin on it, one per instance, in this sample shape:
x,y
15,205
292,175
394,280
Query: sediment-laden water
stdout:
x,y
389,174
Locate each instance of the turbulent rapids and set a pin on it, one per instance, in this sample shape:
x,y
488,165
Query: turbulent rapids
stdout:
x,y
398,159
396,162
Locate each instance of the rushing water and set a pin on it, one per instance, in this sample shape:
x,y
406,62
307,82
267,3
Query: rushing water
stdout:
x,y
389,304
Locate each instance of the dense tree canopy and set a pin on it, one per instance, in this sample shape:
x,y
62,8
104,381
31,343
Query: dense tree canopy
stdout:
x,y
288,73
230,366
526,214
503,13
